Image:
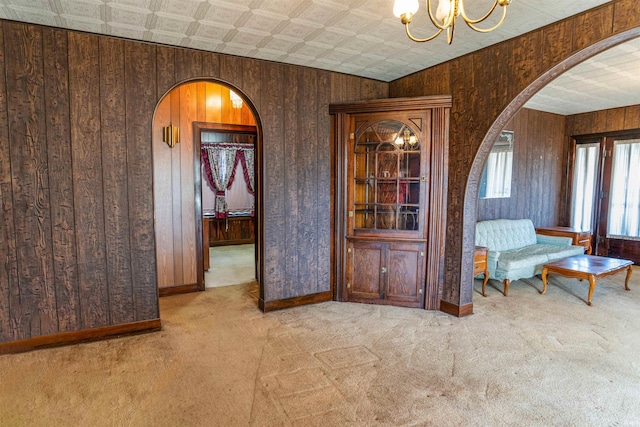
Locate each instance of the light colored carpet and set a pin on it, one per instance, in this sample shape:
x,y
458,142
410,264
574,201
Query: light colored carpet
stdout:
x,y
230,265
522,360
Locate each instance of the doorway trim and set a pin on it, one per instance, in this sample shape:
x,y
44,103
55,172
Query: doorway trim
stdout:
x,y
198,128
470,214
259,206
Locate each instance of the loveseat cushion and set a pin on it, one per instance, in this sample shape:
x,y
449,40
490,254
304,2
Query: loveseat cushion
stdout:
x,y
534,256
554,240
505,234
564,251
515,259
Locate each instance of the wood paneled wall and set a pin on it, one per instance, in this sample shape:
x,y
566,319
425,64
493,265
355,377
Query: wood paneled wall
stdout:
x,y
612,120
483,84
539,153
297,211
174,180
77,245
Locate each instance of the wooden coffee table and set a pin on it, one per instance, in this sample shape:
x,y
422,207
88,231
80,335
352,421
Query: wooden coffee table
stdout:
x,y
587,267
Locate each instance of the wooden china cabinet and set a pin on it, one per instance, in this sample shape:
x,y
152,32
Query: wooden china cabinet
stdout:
x,y
391,199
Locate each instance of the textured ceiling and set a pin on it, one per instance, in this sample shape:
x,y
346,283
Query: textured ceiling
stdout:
x,y
608,80
359,37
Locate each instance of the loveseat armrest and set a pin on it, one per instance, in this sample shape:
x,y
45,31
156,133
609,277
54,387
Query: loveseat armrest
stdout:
x,y
492,261
554,240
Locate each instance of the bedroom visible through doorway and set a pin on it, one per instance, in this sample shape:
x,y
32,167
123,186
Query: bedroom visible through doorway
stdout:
x,y
228,201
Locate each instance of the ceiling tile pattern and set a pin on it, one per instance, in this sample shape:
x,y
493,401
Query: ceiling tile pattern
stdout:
x,y
360,37
608,80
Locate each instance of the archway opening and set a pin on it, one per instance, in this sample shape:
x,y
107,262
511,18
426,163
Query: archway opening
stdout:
x,y
475,176
198,205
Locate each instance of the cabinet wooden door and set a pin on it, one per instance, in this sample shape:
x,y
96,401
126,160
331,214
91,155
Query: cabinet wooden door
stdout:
x,y
365,275
405,273
386,273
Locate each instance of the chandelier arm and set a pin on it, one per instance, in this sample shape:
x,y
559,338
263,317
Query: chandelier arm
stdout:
x,y
450,32
477,21
421,40
486,30
434,21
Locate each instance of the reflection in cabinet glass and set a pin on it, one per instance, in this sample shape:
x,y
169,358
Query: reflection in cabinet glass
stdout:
x,y
387,177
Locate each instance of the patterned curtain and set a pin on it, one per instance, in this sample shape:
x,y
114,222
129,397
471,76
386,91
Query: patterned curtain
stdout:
x,y
219,163
246,156
249,169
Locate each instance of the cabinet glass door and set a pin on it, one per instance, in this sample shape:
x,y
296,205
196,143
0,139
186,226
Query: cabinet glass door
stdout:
x,y
387,157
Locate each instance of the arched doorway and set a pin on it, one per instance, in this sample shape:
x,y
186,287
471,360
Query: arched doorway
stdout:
x,y
473,181
181,114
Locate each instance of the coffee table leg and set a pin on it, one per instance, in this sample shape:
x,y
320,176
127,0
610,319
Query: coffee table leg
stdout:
x,y
592,286
544,281
626,282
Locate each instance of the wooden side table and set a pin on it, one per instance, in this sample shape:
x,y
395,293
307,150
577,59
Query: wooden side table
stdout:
x,y
481,265
579,238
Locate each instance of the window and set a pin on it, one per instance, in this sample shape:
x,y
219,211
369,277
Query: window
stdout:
x,y
496,178
584,185
606,192
624,204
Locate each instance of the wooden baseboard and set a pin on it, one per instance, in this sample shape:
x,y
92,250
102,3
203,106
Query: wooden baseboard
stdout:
x,y
267,306
216,243
456,310
66,338
180,289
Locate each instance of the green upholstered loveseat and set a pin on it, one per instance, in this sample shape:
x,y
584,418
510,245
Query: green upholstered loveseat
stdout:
x,y
517,252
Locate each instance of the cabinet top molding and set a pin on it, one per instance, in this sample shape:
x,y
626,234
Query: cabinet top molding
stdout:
x,y
392,104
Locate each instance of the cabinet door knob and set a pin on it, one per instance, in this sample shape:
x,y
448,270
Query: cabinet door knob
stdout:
x,y
384,269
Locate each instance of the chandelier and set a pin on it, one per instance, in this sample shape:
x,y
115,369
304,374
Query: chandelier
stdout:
x,y
406,140
445,17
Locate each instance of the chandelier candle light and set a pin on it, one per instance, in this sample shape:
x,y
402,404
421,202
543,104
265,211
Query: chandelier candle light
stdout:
x,y
406,138
445,18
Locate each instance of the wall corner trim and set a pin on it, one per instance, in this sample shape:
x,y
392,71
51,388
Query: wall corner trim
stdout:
x,y
456,310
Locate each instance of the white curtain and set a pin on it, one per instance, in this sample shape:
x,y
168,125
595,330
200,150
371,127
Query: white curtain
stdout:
x,y
584,185
624,204
499,170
